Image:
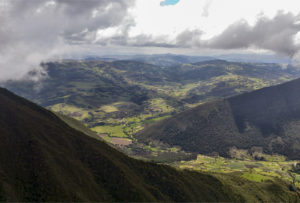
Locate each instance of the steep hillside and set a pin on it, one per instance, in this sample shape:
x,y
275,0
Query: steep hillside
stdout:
x,y
268,118
43,159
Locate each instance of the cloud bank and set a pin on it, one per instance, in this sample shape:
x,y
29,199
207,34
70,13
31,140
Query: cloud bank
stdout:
x,y
277,34
280,35
34,31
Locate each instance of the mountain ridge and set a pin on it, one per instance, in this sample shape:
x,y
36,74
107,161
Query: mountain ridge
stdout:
x,y
264,118
43,159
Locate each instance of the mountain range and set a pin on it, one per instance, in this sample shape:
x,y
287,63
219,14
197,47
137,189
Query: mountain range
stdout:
x,y
175,59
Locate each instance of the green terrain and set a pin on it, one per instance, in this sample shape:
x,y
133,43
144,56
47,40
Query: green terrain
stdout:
x,y
272,167
118,99
265,119
44,159
254,136
178,115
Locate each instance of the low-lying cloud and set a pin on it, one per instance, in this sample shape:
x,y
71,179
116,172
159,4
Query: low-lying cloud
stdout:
x,y
277,34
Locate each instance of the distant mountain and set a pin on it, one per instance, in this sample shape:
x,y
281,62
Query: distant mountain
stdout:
x,y
43,159
255,58
165,60
268,118
83,84
170,59
173,59
95,83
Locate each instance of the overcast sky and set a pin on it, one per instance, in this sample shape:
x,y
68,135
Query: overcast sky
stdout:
x,y
32,31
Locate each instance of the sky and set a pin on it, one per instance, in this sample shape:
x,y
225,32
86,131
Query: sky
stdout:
x,y
35,31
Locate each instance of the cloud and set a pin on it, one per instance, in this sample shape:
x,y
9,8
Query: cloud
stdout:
x,y
189,38
34,31
205,12
275,34
280,34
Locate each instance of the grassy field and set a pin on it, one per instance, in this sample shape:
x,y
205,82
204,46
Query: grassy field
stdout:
x,y
113,120
70,110
272,168
112,131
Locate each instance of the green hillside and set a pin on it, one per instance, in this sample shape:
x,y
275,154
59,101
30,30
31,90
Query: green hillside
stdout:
x,y
117,99
266,119
43,159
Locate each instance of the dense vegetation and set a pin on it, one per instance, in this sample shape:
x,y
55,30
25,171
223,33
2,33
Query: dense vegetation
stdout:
x,y
266,119
116,99
43,159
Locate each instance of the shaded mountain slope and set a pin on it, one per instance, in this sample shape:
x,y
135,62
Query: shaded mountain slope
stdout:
x,y
43,159
268,118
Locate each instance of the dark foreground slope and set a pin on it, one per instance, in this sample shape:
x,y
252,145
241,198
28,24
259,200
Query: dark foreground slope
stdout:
x,y
268,118
43,159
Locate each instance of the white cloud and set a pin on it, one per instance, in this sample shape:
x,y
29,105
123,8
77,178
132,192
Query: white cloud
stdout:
x,y
34,31
153,19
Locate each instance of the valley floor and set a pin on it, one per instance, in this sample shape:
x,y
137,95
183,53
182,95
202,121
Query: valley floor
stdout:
x,y
274,167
